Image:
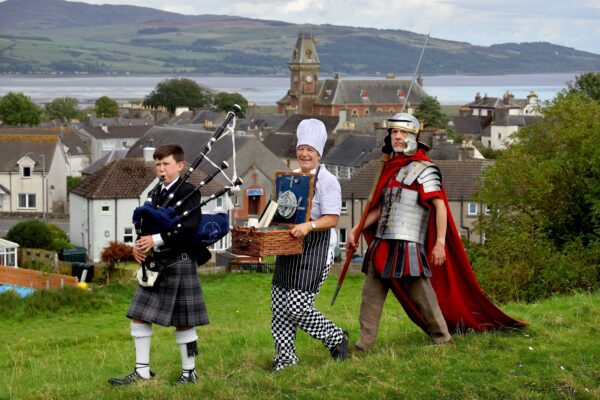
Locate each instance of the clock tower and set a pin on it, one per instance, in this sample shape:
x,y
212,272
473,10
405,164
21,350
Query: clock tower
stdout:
x,y
304,69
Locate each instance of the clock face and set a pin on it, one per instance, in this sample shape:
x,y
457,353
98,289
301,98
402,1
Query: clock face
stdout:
x,y
309,78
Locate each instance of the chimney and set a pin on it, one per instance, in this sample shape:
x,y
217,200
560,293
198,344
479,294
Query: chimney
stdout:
x,y
477,97
148,153
466,151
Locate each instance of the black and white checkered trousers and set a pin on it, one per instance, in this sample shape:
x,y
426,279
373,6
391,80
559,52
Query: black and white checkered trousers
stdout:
x,y
292,308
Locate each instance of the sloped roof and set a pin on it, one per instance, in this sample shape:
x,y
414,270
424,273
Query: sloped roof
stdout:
x,y
120,121
471,124
371,92
16,146
68,136
109,157
193,143
291,124
121,179
118,132
516,120
459,179
493,102
128,178
361,183
352,152
281,144
444,151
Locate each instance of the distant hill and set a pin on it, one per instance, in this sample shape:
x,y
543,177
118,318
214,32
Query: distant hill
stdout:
x,y
56,36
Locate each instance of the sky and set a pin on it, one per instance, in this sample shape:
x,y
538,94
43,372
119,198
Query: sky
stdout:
x,y
574,23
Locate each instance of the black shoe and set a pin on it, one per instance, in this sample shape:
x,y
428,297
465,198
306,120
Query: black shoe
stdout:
x,y
187,377
133,377
340,352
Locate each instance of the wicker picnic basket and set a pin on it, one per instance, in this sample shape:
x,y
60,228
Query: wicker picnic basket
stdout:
x,y
260,242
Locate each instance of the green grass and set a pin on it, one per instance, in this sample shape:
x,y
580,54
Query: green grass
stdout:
x,y
69,349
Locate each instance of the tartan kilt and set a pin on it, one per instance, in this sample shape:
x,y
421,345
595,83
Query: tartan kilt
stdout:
x,y
176,298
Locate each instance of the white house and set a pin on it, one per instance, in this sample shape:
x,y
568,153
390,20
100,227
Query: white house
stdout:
x,y
33,171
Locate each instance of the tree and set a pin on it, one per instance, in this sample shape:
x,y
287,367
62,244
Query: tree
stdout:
x,y
107,107
588,84
33,234
429,112
173,93
224,102
542,233
63,108
18,109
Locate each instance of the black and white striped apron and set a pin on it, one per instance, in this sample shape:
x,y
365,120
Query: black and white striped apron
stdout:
x,y
304,271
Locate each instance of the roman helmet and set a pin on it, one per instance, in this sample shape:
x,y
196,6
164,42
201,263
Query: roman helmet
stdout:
x,y
408,123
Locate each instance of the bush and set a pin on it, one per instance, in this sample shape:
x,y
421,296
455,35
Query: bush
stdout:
x,y
32,234
60,240
528,268
114,254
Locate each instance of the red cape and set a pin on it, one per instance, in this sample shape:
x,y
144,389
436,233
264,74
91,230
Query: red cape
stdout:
x,y
462,301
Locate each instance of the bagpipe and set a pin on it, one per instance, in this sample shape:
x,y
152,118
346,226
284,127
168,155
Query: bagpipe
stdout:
x,y
163,216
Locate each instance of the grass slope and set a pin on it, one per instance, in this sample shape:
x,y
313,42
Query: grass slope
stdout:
x,y
66,346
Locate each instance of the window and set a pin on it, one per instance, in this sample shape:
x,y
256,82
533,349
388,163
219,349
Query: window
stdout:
x,y
108,145
344,173
364,94
105,208
472,209
499,136
344,206
26,172
219,202
342,236
124,144
128,235
26,200
8,257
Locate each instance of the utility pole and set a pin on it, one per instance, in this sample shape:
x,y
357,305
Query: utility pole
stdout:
x,y
44,205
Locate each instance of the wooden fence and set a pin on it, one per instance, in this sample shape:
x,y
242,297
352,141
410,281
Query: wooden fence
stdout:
x,y
34,279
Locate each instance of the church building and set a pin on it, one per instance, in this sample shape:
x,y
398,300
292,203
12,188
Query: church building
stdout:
x,y
359,98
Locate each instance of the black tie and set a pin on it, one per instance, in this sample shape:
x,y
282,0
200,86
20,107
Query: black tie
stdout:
x,y
162,195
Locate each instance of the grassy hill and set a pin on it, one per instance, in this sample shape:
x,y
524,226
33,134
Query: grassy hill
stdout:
x,y
55,36
65,345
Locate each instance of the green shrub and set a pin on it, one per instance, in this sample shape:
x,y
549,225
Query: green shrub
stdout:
x,y
60,240
31,234
527,268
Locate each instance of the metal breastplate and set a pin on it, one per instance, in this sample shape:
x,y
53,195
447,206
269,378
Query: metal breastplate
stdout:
x,y
404,218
